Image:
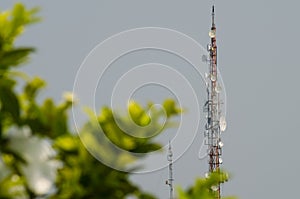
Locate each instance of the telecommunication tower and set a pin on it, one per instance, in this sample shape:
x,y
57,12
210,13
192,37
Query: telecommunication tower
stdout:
x,y
171,179
215,123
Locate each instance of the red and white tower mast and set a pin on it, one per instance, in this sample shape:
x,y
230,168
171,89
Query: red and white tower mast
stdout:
x,y
215,121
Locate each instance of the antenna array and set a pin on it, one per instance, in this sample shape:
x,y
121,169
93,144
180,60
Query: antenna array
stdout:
x,y
215,123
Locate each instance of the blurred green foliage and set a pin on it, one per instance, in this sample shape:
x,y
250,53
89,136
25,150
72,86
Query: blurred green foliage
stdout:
x,y
83,176
204,188
12,24
25,124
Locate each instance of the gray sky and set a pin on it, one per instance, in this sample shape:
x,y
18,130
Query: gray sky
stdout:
x,y
257,57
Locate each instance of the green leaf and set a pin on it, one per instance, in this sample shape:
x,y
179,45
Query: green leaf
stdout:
x,y
66,143
14,57
12,24
33,86
146,148
10,103
170,107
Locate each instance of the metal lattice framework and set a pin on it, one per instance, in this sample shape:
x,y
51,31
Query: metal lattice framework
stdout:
x,y
215,121
171,179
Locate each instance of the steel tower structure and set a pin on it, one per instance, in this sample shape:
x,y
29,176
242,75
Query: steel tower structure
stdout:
x,y
171,179
215,123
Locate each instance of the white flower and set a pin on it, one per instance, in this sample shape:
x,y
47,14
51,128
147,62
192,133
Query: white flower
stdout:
x,y
70,97
40,170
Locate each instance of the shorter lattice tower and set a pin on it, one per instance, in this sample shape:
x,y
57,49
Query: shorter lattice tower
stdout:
x,y
171,179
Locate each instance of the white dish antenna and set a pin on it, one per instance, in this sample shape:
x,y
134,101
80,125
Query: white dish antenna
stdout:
x,y
213,78
218,89
220,160
212,33
221,144
223,123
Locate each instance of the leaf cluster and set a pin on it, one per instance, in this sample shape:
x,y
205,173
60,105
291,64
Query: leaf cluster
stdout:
x,y
205,188
80,174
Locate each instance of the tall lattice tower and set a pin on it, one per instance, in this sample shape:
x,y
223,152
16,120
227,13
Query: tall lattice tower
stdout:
x,y
171,179
215,123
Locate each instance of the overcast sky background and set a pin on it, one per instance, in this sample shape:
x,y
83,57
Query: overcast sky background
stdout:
x,y
258,58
